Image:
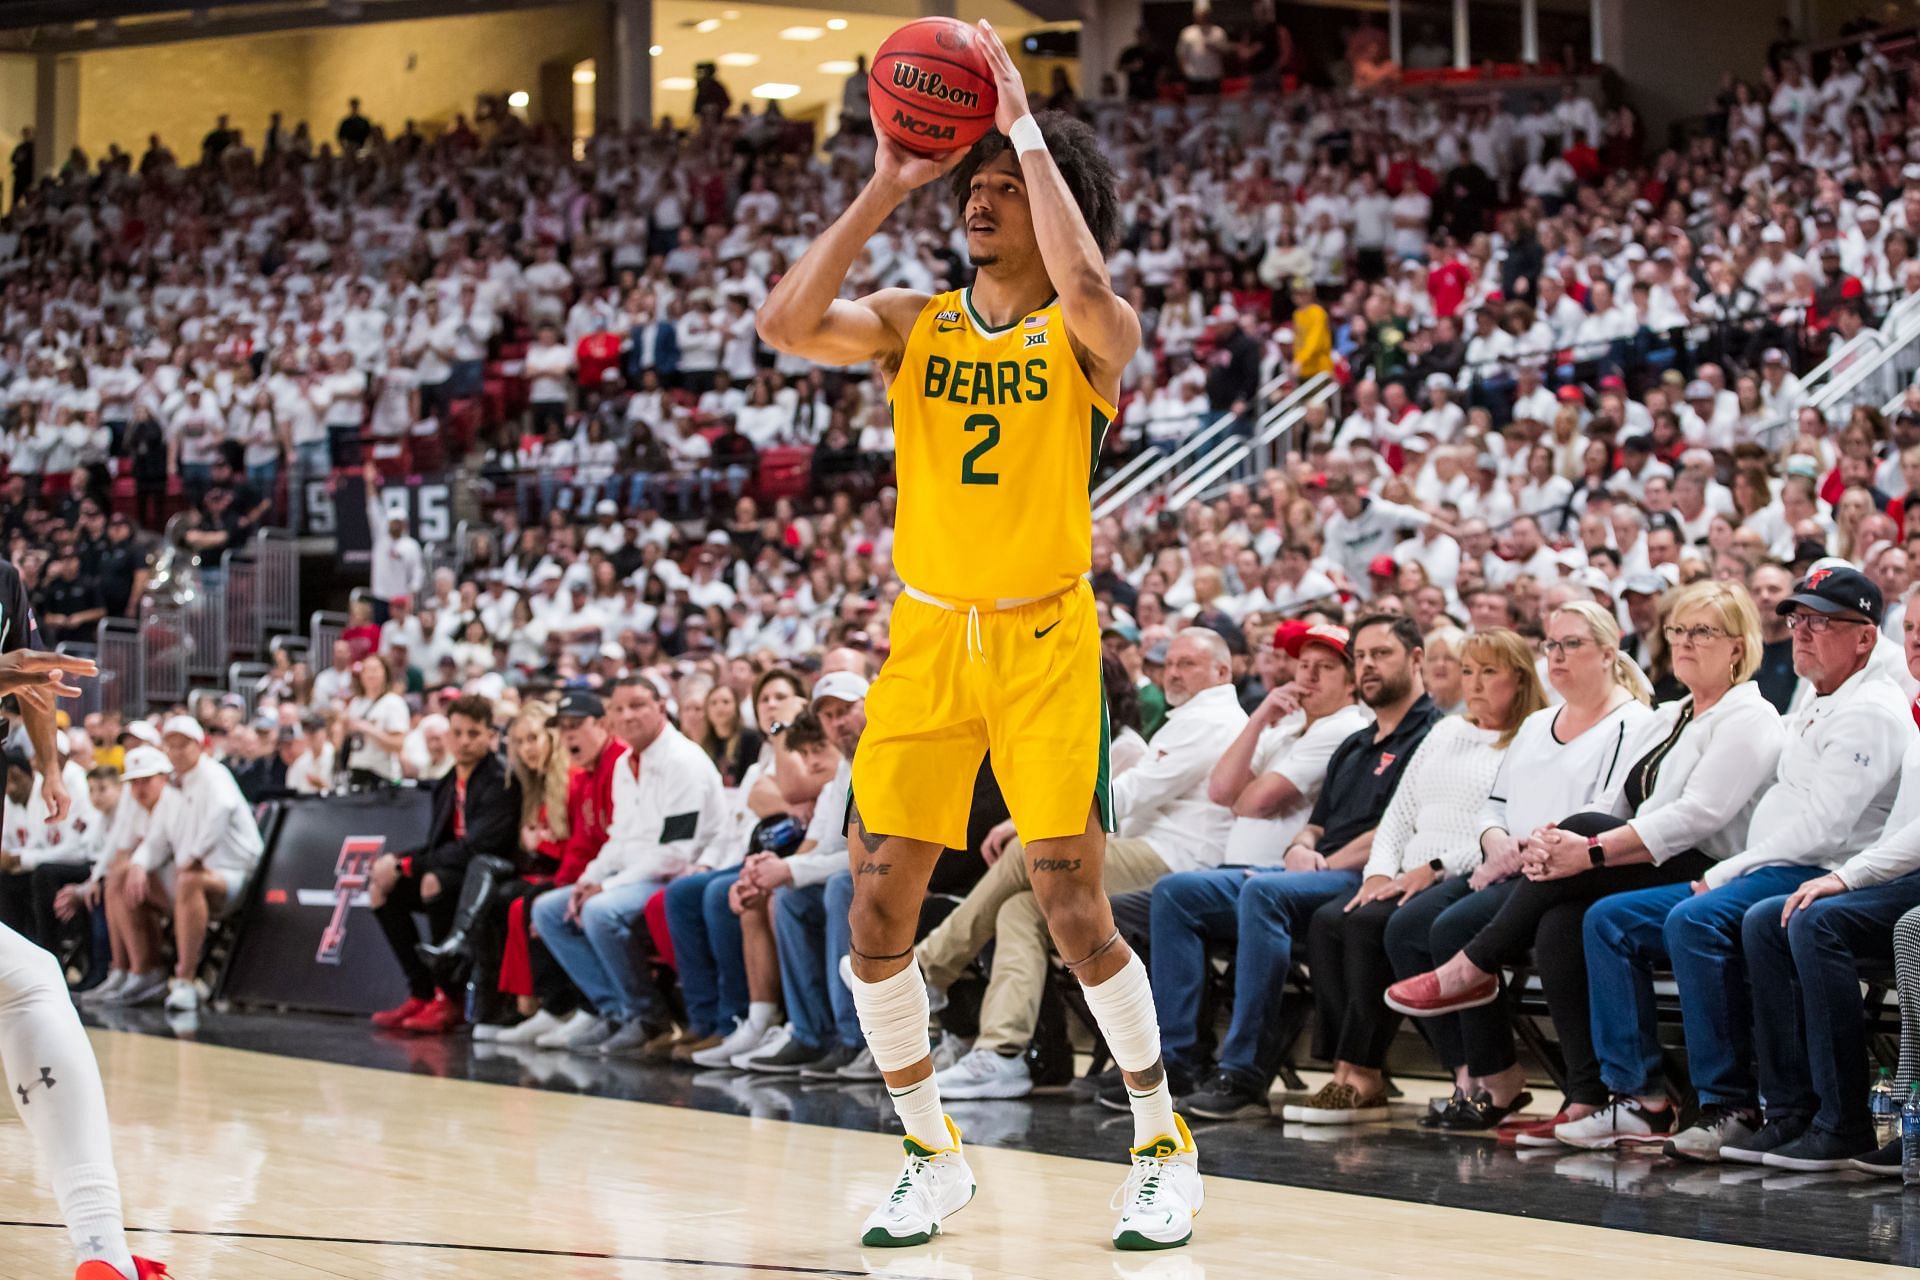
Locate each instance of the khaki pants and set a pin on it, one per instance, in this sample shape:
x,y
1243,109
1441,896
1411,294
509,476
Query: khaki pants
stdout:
x,y
1002,909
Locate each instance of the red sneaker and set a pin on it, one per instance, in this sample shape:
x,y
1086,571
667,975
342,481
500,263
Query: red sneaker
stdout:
x,y
392,1018
1538,1133
1419,996
144,1268
435,1019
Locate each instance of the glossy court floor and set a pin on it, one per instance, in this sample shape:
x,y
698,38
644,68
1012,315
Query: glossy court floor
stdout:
x,y
291,1148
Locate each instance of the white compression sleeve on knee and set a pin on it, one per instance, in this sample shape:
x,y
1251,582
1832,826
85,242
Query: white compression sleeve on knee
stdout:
x,y
893,1016
55,1084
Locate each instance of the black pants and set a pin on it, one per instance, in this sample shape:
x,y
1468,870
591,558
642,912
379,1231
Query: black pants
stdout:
x,y
403,935
1548,916
26,901
1416,941
550,983
1351,973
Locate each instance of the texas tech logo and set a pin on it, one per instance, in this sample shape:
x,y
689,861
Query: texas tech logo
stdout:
x,y
933,85
352,873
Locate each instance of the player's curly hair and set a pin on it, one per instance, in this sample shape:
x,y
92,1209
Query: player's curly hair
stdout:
x,y
1076,150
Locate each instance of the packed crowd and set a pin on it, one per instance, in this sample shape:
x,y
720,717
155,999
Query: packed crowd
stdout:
x,y
1573,500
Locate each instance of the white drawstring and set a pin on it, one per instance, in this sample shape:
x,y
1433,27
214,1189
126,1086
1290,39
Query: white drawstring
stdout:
x,y
976,637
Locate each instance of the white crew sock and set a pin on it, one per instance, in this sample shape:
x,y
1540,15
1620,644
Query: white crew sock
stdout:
x,y
762,1014
55,1085
893,1016
919,1108
1123,1007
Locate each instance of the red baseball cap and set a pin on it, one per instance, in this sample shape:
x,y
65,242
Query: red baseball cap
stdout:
x,y
1285,633
1383,567
1570,394
1334,638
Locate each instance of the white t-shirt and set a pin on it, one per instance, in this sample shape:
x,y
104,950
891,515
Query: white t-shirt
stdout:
x,y
390,713
1543,779
1299,754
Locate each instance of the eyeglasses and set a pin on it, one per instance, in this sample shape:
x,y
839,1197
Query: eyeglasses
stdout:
x,y
1554,648
1692,635
1819,623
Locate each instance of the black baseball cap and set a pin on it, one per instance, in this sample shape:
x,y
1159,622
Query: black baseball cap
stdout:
x,y
1833,591
579,704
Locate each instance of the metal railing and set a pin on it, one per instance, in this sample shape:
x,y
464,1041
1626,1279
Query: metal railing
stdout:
x,y
92,691
278,552
163,648
122,680
1268,448
323,628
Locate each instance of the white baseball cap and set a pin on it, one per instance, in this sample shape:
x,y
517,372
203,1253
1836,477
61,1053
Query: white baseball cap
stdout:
x,y
142,731
186,726
844,685
145,762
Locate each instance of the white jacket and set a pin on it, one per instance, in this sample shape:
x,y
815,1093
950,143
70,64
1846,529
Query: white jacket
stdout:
x,y
1838,773
1897,852
73,839
668,806
212,825
1163,799
1710,781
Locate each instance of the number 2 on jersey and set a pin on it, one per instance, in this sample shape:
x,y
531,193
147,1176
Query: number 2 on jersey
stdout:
x,y
991,425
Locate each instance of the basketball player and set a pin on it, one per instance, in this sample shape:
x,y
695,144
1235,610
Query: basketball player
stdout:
x,y
49,1066
1001,394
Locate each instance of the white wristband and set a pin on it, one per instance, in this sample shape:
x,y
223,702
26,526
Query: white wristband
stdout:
x,y
1025,136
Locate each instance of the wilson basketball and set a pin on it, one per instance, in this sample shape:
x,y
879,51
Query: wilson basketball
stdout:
x,y
931,88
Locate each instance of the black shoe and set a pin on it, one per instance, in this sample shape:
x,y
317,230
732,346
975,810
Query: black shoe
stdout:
x,y
1481,1113
1817,1151
793,1058
828,1066
1884,1163
1773,1135
1111,1092
1230,1096
1441,1107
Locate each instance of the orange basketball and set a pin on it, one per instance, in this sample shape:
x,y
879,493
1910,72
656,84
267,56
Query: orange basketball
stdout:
x,y
931,88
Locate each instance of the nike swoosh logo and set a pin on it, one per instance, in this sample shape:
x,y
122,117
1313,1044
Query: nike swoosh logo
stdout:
x,y
947,328
1039,633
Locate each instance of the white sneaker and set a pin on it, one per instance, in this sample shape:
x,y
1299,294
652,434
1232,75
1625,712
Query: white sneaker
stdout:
x,y
531,1030
985,1074
1162,1195
183,995
557,1038
773,1042
106,991
935,1184
141,988
744,1038
488,1032
948,1050
1713,1130
590,1035
1621,1120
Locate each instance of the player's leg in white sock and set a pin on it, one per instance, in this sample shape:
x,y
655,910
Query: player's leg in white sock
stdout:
x,y
893,1017
1123,1007
55,1084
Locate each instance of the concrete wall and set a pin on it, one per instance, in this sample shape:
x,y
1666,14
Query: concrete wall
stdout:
x,y
1672,53
427,70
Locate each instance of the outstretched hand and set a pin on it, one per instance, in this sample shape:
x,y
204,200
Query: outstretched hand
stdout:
x,y
33,672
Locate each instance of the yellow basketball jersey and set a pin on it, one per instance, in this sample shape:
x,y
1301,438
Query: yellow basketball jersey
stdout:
x,y
995,435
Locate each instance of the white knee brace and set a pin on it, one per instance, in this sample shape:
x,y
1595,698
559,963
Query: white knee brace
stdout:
x,y
893,1016
1123,1006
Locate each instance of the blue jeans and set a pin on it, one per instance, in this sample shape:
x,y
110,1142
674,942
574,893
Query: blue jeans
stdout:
x,y
1261,907
597,951
708,953
811,930
1628,935
1809,1026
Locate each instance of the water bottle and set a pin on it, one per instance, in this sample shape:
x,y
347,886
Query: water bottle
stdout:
x,y
1884,1108
1910,1138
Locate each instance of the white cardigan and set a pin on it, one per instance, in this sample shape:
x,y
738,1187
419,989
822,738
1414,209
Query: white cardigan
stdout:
x,y
1709,782
1435,810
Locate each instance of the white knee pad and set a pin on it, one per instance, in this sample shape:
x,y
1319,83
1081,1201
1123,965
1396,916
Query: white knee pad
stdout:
x,y
893,1016
1123,1006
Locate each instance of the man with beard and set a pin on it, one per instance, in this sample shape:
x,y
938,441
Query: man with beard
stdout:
x,y
1260,908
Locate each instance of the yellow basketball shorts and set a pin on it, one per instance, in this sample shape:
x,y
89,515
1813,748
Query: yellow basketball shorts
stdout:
x,y
1022,684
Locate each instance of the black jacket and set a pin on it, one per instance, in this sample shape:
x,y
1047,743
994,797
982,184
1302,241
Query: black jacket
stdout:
x,y
492,814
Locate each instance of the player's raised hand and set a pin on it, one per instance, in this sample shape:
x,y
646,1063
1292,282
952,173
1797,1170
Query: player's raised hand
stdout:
x,y
1006,80
910,169
31,669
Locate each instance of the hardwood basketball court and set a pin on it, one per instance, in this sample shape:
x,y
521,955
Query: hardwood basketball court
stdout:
x,y
247,1166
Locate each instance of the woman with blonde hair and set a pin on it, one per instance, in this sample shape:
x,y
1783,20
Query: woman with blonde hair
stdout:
x,y
1440,668
1693,772
1429,835
1561,760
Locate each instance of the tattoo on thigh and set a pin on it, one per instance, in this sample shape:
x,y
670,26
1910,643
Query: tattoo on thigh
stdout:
x,y
868,840
1056,864
874,869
